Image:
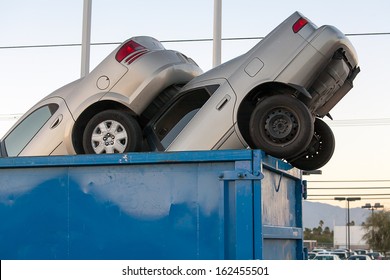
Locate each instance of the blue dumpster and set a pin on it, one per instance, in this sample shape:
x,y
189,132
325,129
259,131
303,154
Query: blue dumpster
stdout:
x,y
239,204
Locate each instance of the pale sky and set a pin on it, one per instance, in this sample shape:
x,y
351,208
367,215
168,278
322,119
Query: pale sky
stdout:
x,y
361,120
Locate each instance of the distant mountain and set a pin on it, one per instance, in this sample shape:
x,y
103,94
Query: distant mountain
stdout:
x,y
332,216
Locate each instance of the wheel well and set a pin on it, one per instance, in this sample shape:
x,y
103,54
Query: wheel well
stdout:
x,y
250,101
83,119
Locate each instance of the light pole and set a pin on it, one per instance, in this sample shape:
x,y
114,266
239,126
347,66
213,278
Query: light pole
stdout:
x,y
372,207
348,199
86,38
217,37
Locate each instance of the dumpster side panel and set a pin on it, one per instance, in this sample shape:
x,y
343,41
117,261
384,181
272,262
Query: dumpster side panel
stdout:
x,y
33,214
278,194
281,211
137,212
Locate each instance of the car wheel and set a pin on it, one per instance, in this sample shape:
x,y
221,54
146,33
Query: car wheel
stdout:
x,y
111,132
320,149
281,126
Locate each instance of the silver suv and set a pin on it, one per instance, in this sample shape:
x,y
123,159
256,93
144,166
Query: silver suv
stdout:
x,y
272,98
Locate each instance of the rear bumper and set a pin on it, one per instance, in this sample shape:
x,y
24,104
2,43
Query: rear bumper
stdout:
x,y
336,78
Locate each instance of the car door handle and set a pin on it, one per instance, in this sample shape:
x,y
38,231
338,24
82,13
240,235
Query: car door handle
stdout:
x,y
223,102
56,122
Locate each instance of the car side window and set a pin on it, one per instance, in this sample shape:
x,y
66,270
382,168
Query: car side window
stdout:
x,y
27,129
179,115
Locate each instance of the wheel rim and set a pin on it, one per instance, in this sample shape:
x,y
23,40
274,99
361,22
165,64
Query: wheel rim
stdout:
x,y
316,148
319,151
109,137
281,126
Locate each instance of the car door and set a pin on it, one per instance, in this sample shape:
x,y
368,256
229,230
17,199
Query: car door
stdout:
x,y
165,127
40,131
212,127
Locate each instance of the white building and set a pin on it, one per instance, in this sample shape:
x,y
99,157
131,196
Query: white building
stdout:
x,y
340,237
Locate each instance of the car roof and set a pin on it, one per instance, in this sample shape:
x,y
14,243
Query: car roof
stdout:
x,y
318,250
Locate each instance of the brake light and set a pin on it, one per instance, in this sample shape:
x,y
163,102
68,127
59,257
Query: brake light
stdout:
x,y
299,24
129,48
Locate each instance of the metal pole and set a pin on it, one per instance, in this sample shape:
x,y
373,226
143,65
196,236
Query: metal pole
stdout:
x,y
349,223
86,38
349,230
372,228
217,37
346,230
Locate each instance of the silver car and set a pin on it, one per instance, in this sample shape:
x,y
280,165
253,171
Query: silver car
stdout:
x,y
272,98
105,111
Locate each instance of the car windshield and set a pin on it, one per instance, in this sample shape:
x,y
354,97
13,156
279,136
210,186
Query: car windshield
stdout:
x,y
22,134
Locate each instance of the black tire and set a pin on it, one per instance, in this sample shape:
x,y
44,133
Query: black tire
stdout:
x,y
112,131
281,126
320,149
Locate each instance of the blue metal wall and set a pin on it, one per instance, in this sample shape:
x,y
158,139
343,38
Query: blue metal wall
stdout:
x,y
190,205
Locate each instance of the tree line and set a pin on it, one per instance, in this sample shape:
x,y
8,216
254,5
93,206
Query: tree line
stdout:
x,y
322,235
377,227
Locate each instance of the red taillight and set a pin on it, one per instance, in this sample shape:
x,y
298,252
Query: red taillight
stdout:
x,y
299,24
127,49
